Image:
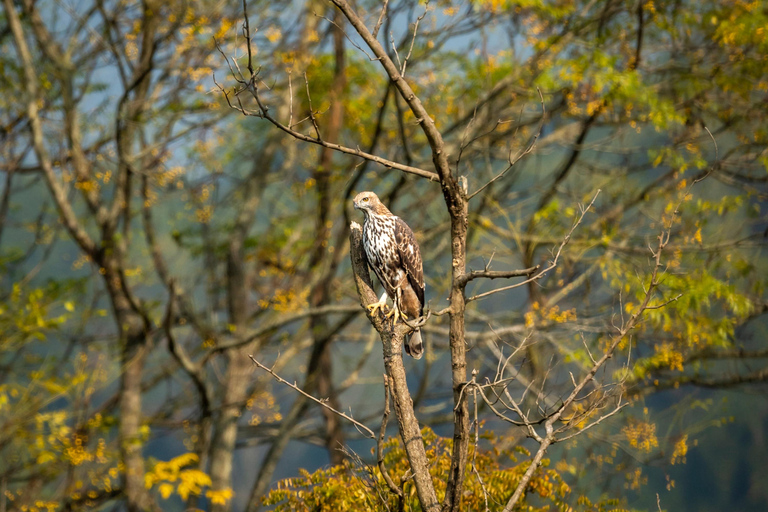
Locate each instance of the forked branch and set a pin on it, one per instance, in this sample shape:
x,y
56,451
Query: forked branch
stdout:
x,y
552,263
251,85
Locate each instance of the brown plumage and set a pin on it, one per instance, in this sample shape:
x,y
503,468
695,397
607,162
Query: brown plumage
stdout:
x,y
394,256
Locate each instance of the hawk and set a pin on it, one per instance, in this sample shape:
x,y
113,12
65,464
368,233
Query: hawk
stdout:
x,y
394,256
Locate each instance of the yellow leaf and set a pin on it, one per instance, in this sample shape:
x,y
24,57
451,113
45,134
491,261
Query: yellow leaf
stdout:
x,y
183,490
69,306
45,457
219,497
273,34
183,460
165,490
54,387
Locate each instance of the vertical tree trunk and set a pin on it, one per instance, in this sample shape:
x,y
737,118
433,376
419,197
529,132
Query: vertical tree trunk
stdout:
x,y
238,371
134,351
133,337
454,489
238,376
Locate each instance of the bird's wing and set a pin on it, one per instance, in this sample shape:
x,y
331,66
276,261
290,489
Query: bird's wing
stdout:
x,y
410,256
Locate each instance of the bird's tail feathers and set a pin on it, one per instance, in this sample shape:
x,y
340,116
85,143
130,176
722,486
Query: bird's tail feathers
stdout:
x,y
414,346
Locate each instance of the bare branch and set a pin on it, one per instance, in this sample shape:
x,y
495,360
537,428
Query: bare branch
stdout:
x,y
362,428
497,274
500,414
394,49
434,137
311,113
247,34
659,306
251,86
290,101
550,437
602,418
264,113
551,265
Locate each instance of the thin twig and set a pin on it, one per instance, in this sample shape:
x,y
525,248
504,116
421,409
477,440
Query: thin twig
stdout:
x,y
602,418
290,101
513,161
413,39
394,48
477,441
659,306
496,274
264,113
346,35
247,34
318,401
717,158
380,445
311,114
465,144
383,12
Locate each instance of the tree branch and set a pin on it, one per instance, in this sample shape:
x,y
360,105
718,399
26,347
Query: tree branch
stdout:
x,y
35,124
365,430
427,124
252,87
550,433
496,274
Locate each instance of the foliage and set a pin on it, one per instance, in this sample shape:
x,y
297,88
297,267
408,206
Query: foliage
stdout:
x,y
45,432
355,486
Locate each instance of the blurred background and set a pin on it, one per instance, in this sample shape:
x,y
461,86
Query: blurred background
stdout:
x,y
152,238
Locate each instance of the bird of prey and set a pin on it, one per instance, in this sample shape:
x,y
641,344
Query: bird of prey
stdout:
x,y
394,256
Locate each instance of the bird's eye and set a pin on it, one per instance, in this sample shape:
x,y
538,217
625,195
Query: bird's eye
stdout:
x,y
365,199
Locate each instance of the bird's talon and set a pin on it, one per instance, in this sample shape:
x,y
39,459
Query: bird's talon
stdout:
x,y
396,315
375,307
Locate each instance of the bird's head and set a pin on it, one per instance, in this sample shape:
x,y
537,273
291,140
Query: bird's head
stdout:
x,y
369,202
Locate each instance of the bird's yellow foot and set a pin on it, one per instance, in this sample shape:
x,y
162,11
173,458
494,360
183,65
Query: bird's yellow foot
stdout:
x,y
397,314
376,306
